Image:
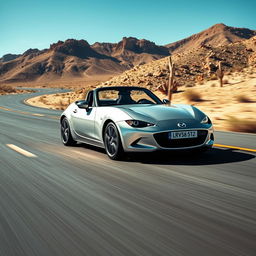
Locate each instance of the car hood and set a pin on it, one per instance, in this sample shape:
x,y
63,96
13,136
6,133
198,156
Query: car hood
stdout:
x,y
163,112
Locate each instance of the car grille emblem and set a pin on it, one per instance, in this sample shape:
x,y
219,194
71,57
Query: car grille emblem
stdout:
x,y
181,125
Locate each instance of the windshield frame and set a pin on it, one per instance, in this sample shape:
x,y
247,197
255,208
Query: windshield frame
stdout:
x,y
125,88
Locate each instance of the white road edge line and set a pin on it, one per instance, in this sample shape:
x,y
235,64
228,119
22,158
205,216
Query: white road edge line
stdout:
x,y
20,150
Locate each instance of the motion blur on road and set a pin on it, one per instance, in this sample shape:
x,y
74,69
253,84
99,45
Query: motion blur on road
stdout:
x,y
76,201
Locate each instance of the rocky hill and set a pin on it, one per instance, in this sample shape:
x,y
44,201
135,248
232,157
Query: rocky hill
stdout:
x,y
9,56
132,50
77,59
215,36
192,67
73,60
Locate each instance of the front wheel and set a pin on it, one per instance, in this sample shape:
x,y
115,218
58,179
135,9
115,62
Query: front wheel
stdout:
x,y
66,135
112,141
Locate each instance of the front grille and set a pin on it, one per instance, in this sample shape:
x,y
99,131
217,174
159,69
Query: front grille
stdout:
x,y
163,140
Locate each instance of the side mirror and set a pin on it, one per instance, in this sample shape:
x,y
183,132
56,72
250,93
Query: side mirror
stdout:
x,y
165,101
83,104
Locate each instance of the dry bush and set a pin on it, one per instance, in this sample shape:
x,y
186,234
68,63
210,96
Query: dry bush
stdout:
x,y
213,76
7,89
190,85
61,105
225,81
200,79
241,125
243,99
193,95
213,85
43,99
81,94
238,69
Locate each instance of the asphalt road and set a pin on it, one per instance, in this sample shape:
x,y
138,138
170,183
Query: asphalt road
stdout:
x,y
76,201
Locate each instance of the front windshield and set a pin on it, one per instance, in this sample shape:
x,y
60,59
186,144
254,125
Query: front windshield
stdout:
x,y
126,96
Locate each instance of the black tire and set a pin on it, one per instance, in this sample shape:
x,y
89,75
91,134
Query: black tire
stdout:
x,y
66,136
112,142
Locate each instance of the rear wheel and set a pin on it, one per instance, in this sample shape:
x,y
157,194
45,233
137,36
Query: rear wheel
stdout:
x,y
66,135
112,141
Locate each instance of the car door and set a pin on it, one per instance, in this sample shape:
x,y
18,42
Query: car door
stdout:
x,y
83,119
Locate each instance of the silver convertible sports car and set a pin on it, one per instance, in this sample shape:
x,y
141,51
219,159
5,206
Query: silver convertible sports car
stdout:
x,y
133,119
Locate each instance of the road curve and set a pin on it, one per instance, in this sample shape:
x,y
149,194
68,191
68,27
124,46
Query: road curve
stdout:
x,y
56,200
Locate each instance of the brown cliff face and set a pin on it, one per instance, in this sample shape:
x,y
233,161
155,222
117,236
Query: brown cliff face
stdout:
x,y
77,48
131,51
131,44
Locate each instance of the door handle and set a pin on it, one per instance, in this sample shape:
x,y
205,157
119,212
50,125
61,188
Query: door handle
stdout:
x,y
75,110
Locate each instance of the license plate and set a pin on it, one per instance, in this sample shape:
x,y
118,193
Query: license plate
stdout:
x,y
182,135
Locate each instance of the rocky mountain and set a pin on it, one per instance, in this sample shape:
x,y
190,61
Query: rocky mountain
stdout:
x,y
132,51
217,35
192,67
73,59
131,44
76,58
9,57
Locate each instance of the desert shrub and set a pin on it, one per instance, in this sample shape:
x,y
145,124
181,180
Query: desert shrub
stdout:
x,y
7,89
213,85
200,79
243,99
213,76
190,85
61,105
241,125
238,69
192,95
43,99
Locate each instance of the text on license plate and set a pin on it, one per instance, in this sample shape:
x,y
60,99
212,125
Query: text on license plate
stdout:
x,y
182,135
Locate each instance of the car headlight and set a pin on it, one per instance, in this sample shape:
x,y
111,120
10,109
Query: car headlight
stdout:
x,y
206,120
138,124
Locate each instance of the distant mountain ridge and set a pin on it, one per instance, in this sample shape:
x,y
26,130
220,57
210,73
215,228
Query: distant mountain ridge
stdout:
x,y
130,44
78,59
9,57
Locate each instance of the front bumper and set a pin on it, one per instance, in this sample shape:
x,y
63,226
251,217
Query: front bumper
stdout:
x,y
154,138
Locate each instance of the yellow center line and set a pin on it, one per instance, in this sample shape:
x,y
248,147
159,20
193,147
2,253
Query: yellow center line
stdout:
x,y
20,150
234,147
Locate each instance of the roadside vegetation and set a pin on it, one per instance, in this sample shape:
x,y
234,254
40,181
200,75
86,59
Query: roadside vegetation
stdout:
x,y
4,89
8,89
58,101
193,95
241,125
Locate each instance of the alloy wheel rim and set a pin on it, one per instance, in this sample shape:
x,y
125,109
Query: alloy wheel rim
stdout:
x,y
111,140
65,131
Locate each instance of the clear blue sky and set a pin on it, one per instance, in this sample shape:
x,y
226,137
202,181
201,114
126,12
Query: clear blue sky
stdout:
x,y
36,24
